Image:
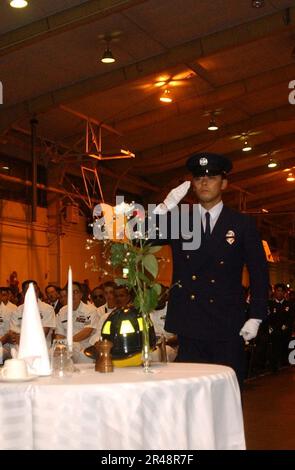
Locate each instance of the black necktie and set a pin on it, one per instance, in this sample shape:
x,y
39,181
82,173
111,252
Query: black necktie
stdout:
x,y
207,232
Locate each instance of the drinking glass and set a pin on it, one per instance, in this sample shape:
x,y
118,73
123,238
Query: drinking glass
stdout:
x,y
61,361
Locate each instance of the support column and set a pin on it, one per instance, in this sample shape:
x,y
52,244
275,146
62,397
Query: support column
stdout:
x,y
54,176
34,123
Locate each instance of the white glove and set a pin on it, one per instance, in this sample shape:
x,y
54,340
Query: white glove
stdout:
x,y
161,209
250,329
173,198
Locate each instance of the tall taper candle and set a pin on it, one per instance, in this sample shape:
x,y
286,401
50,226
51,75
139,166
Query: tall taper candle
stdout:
x,y
70,310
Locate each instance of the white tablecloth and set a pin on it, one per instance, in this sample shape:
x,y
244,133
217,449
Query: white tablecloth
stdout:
x,y
179,406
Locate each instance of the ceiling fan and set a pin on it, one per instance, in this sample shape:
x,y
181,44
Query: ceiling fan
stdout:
x,y
166,80
175,80
245,135
271,153
212,112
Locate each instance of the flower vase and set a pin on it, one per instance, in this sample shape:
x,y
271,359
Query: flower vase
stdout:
x,y
146,352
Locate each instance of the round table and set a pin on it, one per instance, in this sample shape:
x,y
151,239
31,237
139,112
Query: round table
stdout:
x,y
178,406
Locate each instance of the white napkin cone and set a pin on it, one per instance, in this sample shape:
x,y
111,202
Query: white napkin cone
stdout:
x,y
32,345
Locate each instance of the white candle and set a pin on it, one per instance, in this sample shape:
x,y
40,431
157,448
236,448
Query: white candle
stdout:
x,y
70,310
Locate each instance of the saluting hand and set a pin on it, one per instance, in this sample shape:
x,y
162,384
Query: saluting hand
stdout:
x,y
173,198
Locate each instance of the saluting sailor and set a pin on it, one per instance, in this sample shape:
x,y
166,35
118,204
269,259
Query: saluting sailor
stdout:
x,y
207,313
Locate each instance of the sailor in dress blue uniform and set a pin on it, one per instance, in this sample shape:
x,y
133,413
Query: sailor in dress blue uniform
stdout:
x,y
207,312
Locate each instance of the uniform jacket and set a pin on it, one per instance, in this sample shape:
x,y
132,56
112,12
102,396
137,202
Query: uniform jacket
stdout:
x,y
210,304
280,314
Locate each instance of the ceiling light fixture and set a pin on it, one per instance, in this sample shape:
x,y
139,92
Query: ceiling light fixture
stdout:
x,y
166,96
257,3
5,167
272,163
18,3
212,124
108,57
247,147
290,177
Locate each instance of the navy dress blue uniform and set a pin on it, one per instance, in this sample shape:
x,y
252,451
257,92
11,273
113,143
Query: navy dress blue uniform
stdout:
x,y
279,322
207,310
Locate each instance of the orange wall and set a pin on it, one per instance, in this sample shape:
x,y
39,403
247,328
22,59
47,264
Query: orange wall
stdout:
x,y
165,266
24,247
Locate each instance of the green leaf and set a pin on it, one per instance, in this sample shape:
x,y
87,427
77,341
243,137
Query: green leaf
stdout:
x,y
154,249
117,248
151,264
143,277
117,254
137,303
150,300
157,288
121,282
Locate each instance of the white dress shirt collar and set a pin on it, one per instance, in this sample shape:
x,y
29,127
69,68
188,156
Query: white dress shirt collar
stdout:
x,y
214,214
